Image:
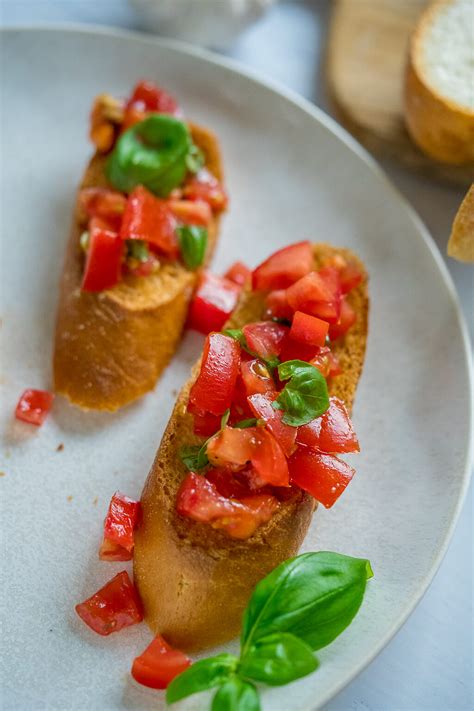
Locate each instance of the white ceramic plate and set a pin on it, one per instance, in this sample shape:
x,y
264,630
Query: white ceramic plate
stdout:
x,y
292,174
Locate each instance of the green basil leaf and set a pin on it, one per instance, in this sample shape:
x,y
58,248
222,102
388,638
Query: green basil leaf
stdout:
x,y
278,659
193,243
138,249
225,418
200,676
305,396
314,596
236,695
243,424
194,159
194,457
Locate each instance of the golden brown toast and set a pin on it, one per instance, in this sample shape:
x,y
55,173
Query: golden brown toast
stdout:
x,y
194,581
112,346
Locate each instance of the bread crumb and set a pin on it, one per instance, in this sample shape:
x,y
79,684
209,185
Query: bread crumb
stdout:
x,y
69,498
60,447
174,392
2,473
95,501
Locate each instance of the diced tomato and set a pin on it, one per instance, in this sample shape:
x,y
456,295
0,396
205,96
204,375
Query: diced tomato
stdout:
x,y
317,294
294,350
206,424
152,98
112,552
262,408
213,302
309,329
347,319
119,525
277,306
105,203
150,219
227,483
104,258
332,432
151,266
269,460
256,377
232,448
113,607
265,338
321,361
284,267
259,509
133,115
334,365
158,665
239,410
33,406
204,186
192,212
238,273
322,475
350,274
213,389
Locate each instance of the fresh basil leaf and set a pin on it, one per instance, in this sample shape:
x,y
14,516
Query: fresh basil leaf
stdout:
x,y
236,695
201,675
138,249
194,457
194,159
278,659
225,418
305,396
243,424
193,243
314,596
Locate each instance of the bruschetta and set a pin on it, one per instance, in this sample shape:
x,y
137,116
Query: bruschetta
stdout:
x,y
146,221
252,444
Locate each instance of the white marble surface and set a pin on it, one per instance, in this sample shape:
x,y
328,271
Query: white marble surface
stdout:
x,y
428,665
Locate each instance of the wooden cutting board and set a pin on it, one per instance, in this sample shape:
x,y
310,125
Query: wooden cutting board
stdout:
x,y
366,57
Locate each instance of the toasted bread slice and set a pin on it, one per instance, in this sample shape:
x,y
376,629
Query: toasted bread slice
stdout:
x,y
439,97
461,239
195,581
111,347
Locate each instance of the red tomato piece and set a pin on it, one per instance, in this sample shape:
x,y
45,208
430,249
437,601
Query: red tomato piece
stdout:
x,y
334,365
204,186
213,302
284,267
308,329
232,447
112,552
322,361
104,258
213,389
113,607
284,434
152,98
256,377
265,338
150,219
105,203
269,460
206,424
158,665
347,319
33,406
294,350
145,268
277,306
199,499
332,432
317,294
350,275
227,483
238,273
133,114
192,212
121,520
322,475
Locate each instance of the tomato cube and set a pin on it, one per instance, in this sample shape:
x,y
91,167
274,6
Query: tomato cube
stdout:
x,y
256,377
265,338
191,212
121,520
308,329
213,302
151,220
347,319
150,97
113,607
104,257
33,406
284,267
105,203
158,665
238,273
317,294
261,405
204,186
277,306
213,389
324,476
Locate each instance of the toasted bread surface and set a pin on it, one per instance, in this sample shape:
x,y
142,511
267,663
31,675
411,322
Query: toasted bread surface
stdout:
x,y
111,347
438,85
195,581
461,240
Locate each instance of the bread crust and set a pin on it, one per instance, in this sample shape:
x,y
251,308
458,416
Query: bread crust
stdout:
x,y
461,239
442,128
111,347
195,581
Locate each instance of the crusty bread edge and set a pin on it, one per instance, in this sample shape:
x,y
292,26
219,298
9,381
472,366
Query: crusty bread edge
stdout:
x,y
461,239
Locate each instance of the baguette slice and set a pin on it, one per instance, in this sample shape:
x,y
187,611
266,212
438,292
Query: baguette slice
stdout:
x,y
112,346
439,93
461,240
193,580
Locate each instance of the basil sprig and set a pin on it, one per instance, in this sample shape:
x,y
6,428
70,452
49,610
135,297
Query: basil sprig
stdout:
x,y
194,457
303,605
238,335
305,396
193,243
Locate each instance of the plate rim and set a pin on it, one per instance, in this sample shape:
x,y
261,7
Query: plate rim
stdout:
x,y
319,115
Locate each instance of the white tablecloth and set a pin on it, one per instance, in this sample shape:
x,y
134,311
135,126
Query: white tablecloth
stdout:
x,y
428,665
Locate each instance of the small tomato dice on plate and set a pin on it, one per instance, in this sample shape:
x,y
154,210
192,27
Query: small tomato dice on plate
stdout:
x,y
113,607
34,406
158,665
